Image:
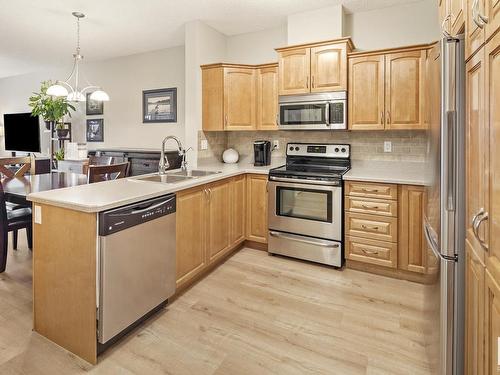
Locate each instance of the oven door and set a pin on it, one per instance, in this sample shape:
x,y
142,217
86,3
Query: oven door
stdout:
x,y
304,115
305,208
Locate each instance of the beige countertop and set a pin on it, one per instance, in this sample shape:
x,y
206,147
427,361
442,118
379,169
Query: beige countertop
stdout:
x,y
103,196
391,172
111,194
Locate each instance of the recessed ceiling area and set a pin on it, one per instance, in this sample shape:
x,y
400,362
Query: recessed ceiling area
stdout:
x,y
41,34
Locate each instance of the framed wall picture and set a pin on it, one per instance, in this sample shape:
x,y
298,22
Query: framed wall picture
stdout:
x,y
95,130
93,107
159,105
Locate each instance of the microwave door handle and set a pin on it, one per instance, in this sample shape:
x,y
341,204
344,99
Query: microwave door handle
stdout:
x,y
327,114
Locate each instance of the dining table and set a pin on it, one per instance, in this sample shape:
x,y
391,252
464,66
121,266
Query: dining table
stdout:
x,y
17,189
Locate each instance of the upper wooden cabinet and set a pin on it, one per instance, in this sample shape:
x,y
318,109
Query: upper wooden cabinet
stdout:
x,y
267,97
239,97
366,93
317,67
492,10
387,89
452,15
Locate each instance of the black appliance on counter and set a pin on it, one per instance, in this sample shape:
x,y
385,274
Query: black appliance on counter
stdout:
x,y
262,153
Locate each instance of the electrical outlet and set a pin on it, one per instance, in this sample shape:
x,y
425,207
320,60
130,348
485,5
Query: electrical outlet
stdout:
x,y
387,146
204,144
38,214
276,144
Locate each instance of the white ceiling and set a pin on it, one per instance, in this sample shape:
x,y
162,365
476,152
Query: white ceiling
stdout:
x,y
37,34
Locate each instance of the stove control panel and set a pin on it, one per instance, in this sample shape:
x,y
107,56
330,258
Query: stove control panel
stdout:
x,y
324,150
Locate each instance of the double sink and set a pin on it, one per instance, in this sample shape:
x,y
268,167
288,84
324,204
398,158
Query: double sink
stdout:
x,y
173,177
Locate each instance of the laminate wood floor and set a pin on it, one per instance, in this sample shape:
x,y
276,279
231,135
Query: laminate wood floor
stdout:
x,y
255,314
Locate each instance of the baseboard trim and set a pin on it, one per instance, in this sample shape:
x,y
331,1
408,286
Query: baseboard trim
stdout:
x,y
255,245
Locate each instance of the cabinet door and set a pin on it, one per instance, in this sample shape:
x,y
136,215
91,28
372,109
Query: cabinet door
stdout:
x,y
474,35
457,9
492,10
238,213
404,90
492,84
329,68
267,98
190,223
218,219
213,99
412,249
294,71
366,93
257,208
239,99
474,313
477,156
492,325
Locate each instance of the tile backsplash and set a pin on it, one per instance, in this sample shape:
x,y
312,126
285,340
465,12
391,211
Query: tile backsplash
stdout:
x,y
407,145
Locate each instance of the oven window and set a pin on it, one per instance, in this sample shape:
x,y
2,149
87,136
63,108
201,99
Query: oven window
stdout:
x,y
297,114
305,204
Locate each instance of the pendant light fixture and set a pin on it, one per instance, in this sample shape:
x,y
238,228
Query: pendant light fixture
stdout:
x,y
73,93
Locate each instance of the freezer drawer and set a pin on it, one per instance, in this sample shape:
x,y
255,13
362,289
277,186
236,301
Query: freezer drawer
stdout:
x,y
137,273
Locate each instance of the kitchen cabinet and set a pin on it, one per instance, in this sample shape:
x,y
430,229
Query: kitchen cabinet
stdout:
x,y
190,234
474,34
366,93
371,226
218,219
387,89
492,325
371,251
477,157
457,17
412,246
239,97
474,312
315,67
257,208
267,97
238,205
492,10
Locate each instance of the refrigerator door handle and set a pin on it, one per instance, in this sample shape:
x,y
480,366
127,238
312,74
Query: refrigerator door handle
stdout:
x,y
431,240
451,161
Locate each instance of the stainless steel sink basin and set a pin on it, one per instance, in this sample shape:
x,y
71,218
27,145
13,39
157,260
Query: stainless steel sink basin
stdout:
x,y
194,173
166,178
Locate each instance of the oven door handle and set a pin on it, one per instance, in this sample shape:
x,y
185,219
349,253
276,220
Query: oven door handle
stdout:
x,y
291,237
304,182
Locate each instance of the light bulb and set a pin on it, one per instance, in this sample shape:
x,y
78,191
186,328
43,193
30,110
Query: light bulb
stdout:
x,y
57,90
99,96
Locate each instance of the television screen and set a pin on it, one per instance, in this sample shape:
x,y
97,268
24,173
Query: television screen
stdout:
x,y
21,132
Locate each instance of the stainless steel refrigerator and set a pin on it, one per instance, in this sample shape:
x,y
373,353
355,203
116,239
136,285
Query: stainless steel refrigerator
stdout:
x,y
444,224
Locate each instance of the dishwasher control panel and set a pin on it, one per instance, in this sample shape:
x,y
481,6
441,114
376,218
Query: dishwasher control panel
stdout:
x,y
121,218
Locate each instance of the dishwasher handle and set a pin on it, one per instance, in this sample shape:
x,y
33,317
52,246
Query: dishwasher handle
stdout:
x,y
121,218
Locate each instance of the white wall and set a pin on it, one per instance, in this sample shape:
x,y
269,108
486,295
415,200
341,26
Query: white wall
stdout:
x,y
203,45
256,48
407,24
315,25
123,79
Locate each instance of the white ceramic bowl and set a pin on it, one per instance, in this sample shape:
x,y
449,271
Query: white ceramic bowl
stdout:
x,y
230,156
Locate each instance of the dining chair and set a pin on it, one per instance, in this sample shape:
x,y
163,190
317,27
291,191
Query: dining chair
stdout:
x,y
104,160
98,173
12,221
24,164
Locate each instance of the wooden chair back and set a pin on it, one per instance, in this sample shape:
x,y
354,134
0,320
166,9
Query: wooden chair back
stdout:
x,y
3,230
24,162
98,173
103,160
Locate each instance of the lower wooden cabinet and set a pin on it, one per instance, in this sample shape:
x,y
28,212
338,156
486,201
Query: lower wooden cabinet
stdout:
x,y
257,208
218,219
474,313
492,325
380,253
190,233
238,212
412,243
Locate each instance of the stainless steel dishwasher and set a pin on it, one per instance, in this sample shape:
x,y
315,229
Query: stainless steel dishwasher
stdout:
x,y
136,264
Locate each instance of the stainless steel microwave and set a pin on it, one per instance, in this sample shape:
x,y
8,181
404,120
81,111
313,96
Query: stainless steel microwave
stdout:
x,y
321,111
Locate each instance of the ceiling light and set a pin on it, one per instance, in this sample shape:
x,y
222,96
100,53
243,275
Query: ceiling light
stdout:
x,y
73,93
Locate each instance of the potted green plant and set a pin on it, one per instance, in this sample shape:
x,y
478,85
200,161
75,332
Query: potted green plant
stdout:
x,y
59,154
52,109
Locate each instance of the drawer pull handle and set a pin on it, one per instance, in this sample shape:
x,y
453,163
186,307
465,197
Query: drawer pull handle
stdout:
x,y
370,190
368,227
373,207
370,252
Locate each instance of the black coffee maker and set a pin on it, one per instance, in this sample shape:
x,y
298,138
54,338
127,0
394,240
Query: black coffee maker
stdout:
x,y
262,153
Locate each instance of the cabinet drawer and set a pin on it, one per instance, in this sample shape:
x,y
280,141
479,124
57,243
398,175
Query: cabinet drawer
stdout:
x,y
371,226
371,190
370,251
371,206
